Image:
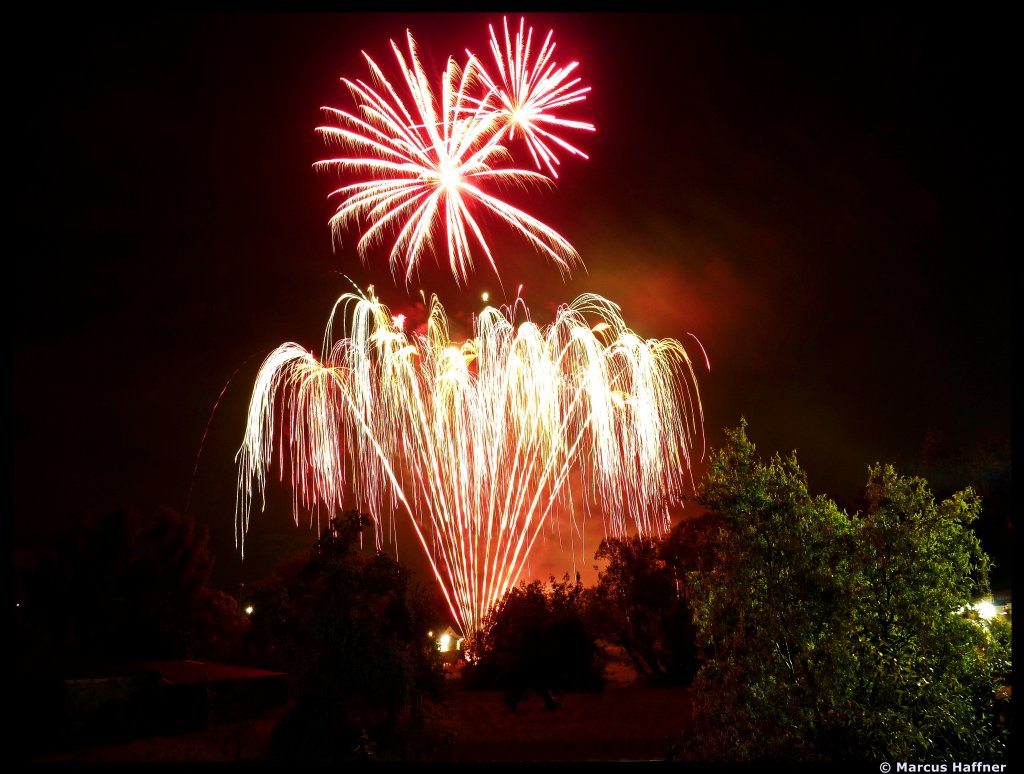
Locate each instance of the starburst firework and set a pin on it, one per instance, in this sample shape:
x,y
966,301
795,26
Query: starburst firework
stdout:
x,y
423,165
527,96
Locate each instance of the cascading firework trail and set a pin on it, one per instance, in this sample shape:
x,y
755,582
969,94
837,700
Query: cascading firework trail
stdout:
x,y
424,166
476,443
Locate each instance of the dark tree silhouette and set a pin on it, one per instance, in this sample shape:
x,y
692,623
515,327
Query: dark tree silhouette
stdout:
x,y
640,604
127,584
537,641
350,628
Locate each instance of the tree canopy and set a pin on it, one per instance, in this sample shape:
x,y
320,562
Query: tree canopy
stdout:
x,y
640,604
538,640
838,636
350,628
127,583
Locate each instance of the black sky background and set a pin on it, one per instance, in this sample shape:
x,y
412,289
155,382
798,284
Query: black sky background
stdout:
x,y
822,200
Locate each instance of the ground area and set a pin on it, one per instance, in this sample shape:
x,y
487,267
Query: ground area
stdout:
x,y
629,721
624,723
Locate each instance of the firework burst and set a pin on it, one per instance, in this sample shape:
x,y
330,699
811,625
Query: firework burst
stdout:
x,y
527,96
424,165
476,442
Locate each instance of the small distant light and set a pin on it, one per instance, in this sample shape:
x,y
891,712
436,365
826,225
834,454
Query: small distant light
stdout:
x,y
430,634
485,296
248,609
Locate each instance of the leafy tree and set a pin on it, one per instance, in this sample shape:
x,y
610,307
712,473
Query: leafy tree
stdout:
x,y
768,607
349,627
537,640
127,584
640,604
832,636
929,676
951,463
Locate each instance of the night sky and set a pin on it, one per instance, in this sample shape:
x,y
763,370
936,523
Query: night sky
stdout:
x,y
820,200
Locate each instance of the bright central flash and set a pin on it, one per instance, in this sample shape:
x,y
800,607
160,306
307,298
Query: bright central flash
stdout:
x,y
449,177
517,119
477,443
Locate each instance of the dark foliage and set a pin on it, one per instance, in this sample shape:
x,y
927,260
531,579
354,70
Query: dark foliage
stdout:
x,y
350,628
537,641
640,604
126,584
